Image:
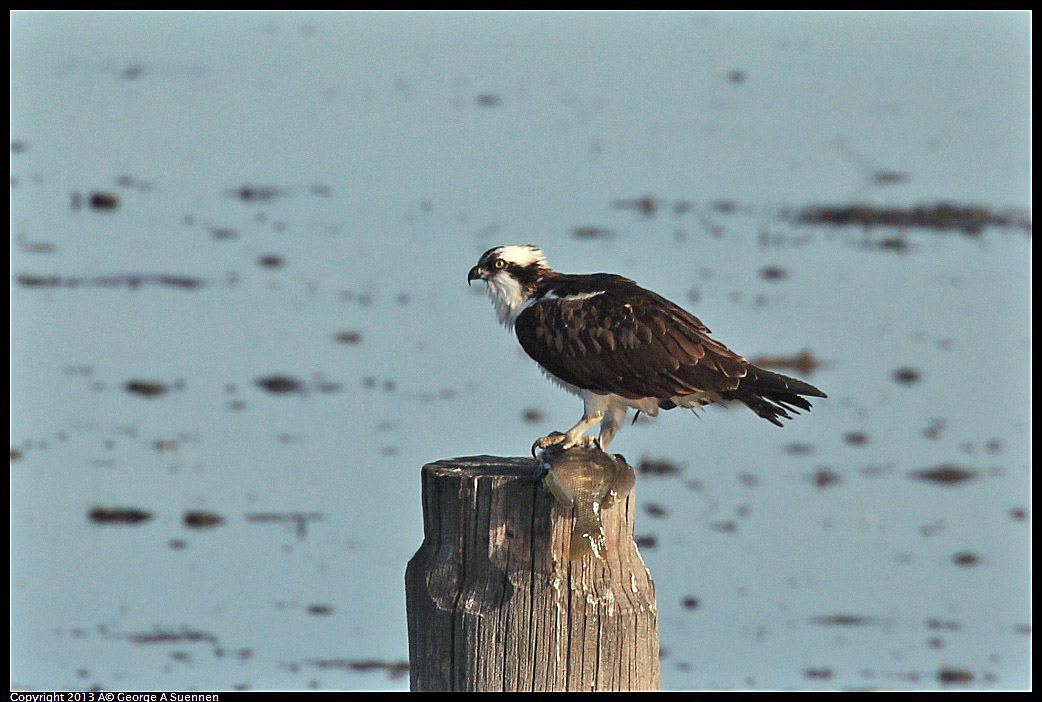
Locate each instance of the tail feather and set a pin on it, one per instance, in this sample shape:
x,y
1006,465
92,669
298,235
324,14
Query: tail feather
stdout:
x,y
773,395
757,378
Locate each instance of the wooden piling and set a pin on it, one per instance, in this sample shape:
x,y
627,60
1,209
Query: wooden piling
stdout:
x,y
495,604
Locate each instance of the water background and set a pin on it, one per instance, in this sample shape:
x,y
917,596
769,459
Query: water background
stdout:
x,y
320,185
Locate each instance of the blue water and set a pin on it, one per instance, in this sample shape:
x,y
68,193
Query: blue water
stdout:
x,y
326,173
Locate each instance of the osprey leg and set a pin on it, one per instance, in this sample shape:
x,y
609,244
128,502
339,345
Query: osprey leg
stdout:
x,y
594,409
613,421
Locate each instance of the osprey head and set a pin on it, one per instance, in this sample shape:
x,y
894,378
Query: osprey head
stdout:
x,y
511,273
519,262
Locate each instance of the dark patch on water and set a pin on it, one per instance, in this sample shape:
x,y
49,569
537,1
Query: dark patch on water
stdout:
x,y
224,233
442,395
646,205
889,243
132,281
271,261
939,217
937,624
773,273
659,466
34,247
727,526
907,376
132,71
320,610
129,181
890,177
394,669
165,636
118,515
351,338
145,388
954,676
532,415
592,233
690,602
805,362
280,384
363,299
798,449
255,193
655,510
856,438
818,673
103,202
202,520
945,474
823,478
847,620
300,519
936,426
966,559
488,100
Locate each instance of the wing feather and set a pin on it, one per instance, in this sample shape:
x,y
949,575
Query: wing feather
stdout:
x,y
629,341
606,334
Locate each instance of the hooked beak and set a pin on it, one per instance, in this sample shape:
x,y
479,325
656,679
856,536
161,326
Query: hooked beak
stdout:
x,y
475,274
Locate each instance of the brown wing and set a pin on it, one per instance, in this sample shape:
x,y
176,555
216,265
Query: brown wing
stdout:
x,y
629,341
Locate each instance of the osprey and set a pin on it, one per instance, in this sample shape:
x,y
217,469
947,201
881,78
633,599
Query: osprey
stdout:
x,y
619,346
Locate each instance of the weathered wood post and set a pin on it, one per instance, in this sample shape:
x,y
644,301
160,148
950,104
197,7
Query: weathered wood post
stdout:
x,y
496,604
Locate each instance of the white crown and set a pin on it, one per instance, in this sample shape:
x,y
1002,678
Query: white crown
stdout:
x,y
522,255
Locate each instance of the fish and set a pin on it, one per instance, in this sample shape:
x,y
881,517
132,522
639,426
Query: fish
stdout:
x,y
586,481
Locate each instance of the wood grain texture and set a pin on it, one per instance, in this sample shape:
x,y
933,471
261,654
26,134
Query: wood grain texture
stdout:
x,y
494,604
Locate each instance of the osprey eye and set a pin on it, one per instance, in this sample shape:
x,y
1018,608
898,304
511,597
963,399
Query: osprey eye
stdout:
x,y
499,263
